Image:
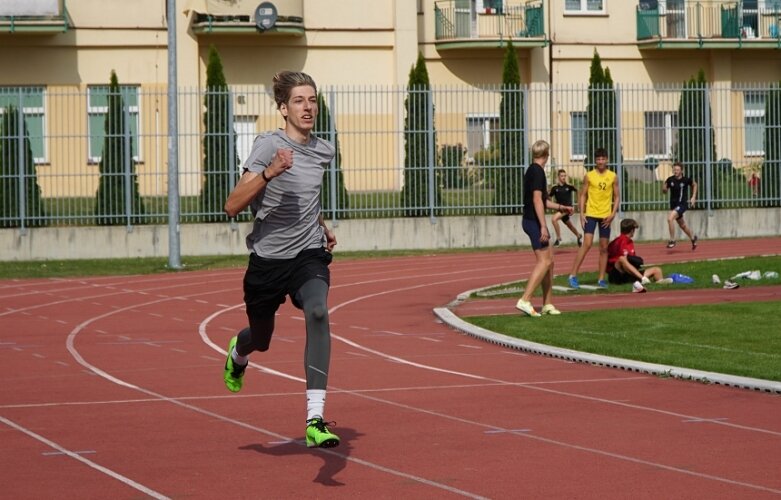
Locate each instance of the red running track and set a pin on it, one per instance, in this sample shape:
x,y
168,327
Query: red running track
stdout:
x,y
112,388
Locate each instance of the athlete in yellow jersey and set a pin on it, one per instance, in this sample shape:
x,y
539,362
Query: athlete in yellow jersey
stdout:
x,y
598,200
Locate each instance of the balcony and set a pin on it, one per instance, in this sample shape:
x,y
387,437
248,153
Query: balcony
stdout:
x,y
247,17
35,17
709,24
460,25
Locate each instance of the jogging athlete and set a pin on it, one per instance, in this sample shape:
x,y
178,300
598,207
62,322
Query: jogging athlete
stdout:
x,y
678,185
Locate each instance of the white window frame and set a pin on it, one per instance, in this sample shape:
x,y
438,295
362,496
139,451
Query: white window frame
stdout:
x,y
583,10
487,119
134,111
752,113
36,111
669,132
575,155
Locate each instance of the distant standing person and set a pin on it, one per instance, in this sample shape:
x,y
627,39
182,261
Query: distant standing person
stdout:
x,y
535,201
678,185
598,202
290,245
562,193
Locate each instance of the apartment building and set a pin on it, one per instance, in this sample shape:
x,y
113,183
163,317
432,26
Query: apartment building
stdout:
x,y
58,56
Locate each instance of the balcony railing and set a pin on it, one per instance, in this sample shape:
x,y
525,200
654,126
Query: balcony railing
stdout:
x,y
21,18
460,24
710,23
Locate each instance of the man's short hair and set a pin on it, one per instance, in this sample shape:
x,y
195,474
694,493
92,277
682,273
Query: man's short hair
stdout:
x,y
627,225
600,152
540,149
562,171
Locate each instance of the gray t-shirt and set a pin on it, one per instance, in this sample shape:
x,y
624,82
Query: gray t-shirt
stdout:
x,y
286,212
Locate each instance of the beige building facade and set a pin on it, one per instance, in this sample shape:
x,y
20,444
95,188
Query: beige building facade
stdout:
x,y
63,52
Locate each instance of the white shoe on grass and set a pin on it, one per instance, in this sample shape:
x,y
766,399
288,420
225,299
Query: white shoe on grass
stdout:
x,y
550,309
527,308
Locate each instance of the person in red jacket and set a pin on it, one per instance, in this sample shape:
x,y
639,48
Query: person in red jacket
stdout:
x,y
623,265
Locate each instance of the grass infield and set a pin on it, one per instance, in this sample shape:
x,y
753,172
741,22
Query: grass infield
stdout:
x,y
733,338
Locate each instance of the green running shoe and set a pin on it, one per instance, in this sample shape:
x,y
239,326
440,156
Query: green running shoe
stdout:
x,y
234,374
318,435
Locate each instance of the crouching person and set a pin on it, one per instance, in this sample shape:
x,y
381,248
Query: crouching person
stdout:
x,y
624,266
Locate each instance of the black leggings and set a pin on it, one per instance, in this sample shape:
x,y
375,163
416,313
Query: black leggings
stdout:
x,y
312,296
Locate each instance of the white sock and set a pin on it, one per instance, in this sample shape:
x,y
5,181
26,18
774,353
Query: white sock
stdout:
x,y
315,403
239,360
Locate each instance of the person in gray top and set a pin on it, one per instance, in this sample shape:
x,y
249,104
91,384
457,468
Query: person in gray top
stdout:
x,y
290,245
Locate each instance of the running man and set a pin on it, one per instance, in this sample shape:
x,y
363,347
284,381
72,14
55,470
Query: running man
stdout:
x,y
678,185
562,193
600,188
290,245
535,201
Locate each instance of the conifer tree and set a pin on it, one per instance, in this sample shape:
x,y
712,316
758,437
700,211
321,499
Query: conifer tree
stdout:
x,y
512,146
219,144
692,147
118,183
418,159
10,162
322,129
601,113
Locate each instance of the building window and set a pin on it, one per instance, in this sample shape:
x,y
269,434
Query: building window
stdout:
x,y
754,123
584,6
661,133
481,133
578,125
31,101
97,110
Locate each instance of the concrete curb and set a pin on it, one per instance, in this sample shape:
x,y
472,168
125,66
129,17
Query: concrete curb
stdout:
x,y
448,317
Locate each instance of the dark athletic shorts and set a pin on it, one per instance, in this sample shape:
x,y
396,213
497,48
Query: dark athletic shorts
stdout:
x,y
680,208
618,278
565,218
268,281
592,223
534,231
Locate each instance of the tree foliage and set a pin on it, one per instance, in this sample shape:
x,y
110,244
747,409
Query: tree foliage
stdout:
x,y
601,113
770,184
419,152
696,147
325,129
118,199
220,158
512,146
17,171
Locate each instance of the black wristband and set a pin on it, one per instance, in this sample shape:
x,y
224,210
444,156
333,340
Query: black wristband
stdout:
x,y
263,174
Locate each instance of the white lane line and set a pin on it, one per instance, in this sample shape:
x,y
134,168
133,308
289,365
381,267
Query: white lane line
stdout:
x,y
59,453
75,455
596,451
70,344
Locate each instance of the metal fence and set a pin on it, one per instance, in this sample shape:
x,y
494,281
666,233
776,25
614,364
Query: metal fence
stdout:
x,y
402,152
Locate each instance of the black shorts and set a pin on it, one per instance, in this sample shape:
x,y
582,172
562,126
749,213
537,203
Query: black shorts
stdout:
x,y
268,281
679,209
533,230
618,278
565,218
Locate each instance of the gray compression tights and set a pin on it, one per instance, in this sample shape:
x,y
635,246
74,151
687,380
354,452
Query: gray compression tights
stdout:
x,y
317,355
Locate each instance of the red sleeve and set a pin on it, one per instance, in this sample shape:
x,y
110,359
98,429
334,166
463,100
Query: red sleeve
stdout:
x,y
622,245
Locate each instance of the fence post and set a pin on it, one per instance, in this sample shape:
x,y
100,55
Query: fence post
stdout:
x,y
619,153
231,143
708,159
432,157
127,163
332,173
21,163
